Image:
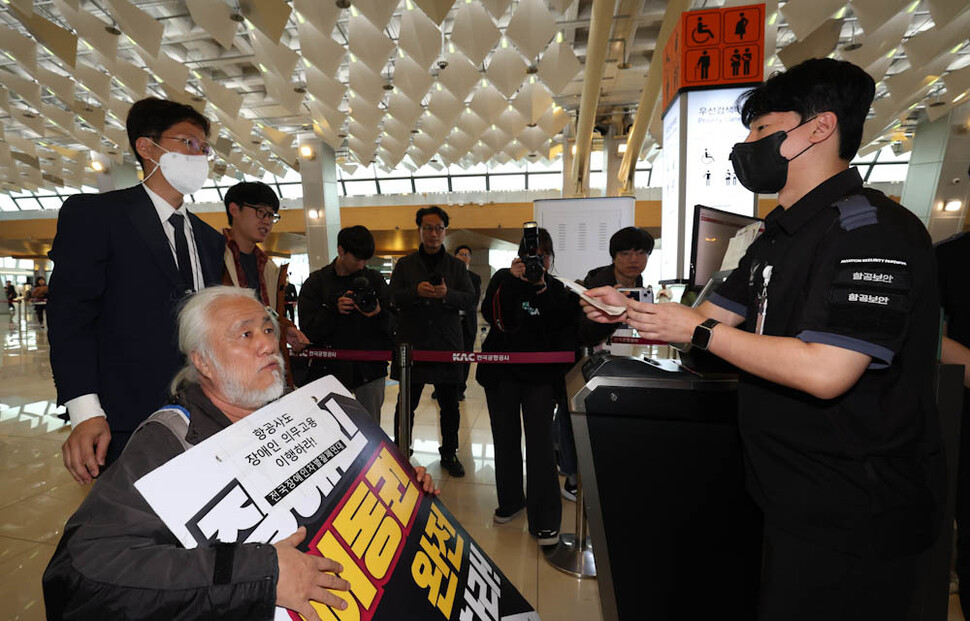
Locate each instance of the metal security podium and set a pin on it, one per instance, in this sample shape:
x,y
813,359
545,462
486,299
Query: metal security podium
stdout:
x,y
674,534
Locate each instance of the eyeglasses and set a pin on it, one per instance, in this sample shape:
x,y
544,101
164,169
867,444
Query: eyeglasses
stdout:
x,y
194,145
263,213
433,229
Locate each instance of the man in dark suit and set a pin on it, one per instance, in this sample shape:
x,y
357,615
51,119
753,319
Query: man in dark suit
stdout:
x,y
469,316
123,261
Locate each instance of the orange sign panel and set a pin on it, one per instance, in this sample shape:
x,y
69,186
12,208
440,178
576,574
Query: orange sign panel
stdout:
x,y
714,47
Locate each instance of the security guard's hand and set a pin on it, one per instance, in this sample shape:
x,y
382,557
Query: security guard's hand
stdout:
x,y
85,449
672,323
346,304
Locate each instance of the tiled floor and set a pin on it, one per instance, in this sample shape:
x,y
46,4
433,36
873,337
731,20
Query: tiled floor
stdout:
x,y
37,495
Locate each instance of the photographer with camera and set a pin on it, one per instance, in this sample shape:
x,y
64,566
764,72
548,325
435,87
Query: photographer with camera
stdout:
x,y
528,311
428,288
346,305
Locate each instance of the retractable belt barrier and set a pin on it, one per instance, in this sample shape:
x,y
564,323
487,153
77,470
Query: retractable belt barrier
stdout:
x,y
517,357
635,340
405,357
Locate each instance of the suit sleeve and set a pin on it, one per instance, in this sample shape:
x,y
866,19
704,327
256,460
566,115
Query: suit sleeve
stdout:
x,y
80,252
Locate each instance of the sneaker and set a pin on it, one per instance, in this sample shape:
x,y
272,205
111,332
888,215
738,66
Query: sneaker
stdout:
x,y
501,517
453,466
547,537
569,490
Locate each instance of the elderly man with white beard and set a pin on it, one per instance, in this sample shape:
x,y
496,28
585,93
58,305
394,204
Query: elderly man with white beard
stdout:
x,y
117,559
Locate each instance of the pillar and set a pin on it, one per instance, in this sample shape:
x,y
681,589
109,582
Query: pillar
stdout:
x,y
321,204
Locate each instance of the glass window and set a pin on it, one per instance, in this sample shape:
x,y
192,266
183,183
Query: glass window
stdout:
x,y
10,263
290,176
25,264
361,172
887,155
473,183
433,184
508,167
548,181
429,171
474,169
596,161
50,202
86,189
641,179
28,204
291,190
268,177
597,179
6,203
361,188
207,195
888,172
395,186
507,183
865,159
21,194
541,166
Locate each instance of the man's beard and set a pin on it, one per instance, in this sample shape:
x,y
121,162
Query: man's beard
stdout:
x,y
244,396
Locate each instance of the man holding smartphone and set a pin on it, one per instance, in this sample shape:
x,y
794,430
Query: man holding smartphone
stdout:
x,y
428,288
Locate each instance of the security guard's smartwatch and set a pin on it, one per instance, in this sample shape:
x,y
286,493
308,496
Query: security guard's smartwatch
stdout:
x,y
703,333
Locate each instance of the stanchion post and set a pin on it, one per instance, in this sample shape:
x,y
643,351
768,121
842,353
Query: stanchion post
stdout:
x,y
404,362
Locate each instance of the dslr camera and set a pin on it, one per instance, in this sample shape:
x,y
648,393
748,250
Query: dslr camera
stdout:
x,y
363,294
534,267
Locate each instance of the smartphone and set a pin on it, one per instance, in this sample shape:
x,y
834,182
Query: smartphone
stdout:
x,y
640,294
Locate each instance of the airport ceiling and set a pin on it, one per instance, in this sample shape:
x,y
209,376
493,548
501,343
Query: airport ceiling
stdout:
x,y
404,83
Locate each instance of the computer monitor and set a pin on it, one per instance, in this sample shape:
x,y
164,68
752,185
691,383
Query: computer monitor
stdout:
x,y
713,230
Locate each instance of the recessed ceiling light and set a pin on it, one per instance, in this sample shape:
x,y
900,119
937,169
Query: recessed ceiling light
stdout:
x,y
299,89
237,17
113,30
851,47
343,4
388,87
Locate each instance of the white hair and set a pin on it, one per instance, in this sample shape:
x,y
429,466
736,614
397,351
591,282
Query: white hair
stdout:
x,y
194,327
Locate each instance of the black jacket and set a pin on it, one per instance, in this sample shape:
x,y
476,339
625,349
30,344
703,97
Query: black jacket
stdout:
x,y
113,301
523,320
431,324
118,560
323,324
469,318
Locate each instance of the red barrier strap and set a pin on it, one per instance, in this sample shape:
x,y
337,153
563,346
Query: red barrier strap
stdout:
x,y
632,340
535,357
513,357
360,355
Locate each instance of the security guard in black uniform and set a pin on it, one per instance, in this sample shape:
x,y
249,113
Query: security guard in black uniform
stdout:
x,y
833,318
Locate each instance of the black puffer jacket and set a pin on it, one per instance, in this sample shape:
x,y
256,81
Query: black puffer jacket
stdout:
x,y
118,560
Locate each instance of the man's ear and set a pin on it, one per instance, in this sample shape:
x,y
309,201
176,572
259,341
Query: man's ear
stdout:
x,y
234,210
826,124
201,364
144,146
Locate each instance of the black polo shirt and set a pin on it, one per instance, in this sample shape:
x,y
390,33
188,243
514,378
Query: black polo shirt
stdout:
x,y
848,267
952,259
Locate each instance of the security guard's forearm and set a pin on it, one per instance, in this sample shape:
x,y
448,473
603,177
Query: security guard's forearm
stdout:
x,y
823,371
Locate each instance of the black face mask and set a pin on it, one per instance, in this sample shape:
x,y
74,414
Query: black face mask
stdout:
x,y
760,166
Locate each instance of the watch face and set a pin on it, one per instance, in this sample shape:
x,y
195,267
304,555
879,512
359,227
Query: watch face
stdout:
x,y
702,337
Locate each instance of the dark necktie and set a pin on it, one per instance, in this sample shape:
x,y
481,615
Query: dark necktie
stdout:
x,y
182,251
